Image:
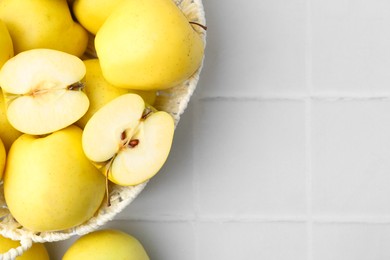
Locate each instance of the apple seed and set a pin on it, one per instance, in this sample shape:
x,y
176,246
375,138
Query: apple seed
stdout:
x,y
123,136
133,143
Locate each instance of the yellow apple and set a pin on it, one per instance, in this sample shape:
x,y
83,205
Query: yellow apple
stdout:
x,y
148,44
6,47
36,252
149,96
91,14
2,158
42,90
8,133
133,140
49,184
43,24
106,244
100,92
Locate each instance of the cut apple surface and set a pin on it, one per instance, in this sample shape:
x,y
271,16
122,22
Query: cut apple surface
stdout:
x,y
42,90
129,141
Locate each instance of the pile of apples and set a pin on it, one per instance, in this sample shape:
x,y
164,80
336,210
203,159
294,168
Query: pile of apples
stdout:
x,y
69,123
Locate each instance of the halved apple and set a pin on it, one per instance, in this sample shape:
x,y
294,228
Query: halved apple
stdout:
x,y
128,141
42,90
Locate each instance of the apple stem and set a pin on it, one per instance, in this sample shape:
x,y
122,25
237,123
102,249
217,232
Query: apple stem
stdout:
x,y
108,168
147,112
107,191
204,27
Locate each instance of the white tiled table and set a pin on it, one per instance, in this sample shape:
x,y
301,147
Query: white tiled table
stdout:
x,y
284,151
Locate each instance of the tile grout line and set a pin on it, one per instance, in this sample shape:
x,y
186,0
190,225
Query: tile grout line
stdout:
x,y
308,130
309,179
280,97
263,219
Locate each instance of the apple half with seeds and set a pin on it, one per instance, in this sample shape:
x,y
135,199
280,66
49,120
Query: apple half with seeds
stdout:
x,y
128,140
42,90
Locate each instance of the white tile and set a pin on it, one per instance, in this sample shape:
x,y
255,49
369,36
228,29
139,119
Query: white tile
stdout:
x,y
271,241
351,151
250,158
350,46
162,240
351,241
254,48
169,194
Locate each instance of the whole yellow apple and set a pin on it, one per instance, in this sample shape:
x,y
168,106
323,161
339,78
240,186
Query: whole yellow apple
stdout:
x,y
106,244
8,133
49,184
91,14
36,252
43,24
100,92
149,96
2,158
148,44
6,47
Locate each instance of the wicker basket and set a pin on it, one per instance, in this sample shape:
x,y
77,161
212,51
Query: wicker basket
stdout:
x,y
173,101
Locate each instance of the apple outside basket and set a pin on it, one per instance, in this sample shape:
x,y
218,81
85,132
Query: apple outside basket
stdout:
x,y
173,101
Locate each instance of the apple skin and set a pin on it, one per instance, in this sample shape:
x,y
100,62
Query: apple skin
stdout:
x,y
91,14
6,47
106,244
49,184
36,252
148,45
97,89
43,24
149,96
2,159
8,133
100,92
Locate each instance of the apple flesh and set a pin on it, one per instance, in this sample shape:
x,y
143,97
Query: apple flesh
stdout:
x,y
128,141
42,90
